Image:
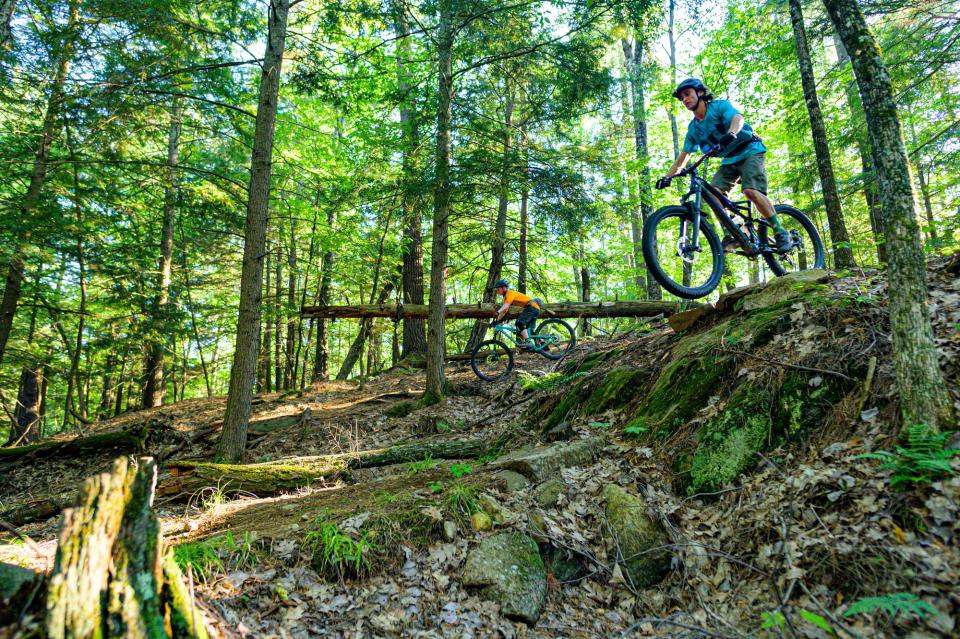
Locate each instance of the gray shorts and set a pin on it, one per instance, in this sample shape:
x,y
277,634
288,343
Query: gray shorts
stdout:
x,y
749,171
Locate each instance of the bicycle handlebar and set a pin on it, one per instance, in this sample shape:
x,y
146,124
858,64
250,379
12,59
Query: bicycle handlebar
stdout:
x,y
663,183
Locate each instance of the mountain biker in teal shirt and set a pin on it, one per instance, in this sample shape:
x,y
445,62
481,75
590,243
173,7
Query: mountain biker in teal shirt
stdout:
x,y
718,123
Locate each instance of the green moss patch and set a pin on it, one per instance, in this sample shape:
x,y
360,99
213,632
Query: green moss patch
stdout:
x,y
401,409
681,390
617,389
729,441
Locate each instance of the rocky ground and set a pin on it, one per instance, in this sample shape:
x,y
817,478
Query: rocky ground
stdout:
x,y
705,480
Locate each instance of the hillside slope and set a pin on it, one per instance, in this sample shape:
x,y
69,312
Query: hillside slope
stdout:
x,y
703,481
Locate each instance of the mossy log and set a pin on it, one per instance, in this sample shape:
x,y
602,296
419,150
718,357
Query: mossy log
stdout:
x,y
132,440
484,311
34,510
107,579
296,472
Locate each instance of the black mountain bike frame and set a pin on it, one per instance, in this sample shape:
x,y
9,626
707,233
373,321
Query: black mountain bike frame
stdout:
x,y
700,191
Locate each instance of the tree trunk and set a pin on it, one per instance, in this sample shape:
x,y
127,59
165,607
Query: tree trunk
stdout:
x,y
441,212
867,174
642,152
839,238
927,204
498,245
640,275
414,336
155,386
585,283
277,319
26,427
321,363
73,380
233,440
49,131
267,335
270,477
109,577
288,378
671,110
7,8
524,220
924,397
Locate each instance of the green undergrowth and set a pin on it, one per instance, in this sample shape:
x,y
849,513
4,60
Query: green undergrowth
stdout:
x,y
922,458
400,409
336,554
208,558
530,382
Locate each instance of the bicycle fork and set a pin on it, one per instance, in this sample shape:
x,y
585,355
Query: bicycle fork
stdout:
x,y
685,249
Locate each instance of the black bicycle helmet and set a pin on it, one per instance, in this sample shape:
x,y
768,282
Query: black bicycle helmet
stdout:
x,y
690,83
502,283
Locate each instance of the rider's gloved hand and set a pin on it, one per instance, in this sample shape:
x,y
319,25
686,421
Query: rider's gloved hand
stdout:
x,y
664,182
727,140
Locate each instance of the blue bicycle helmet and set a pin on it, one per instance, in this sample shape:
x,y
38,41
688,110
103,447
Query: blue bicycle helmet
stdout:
x,y
502,283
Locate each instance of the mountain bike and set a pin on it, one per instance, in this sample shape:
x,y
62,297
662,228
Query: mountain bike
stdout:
x,y
492,359
672,238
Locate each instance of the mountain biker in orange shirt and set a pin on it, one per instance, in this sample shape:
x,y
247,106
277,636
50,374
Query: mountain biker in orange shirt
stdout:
x,y
528,316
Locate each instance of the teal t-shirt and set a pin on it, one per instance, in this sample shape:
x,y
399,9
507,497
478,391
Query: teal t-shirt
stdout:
x,y
706,133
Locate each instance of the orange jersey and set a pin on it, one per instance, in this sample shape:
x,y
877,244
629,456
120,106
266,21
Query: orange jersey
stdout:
x,y
516,298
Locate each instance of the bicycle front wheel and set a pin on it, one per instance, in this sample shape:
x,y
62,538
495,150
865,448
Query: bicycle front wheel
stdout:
x,y
807,251
491,360
685,270
555,338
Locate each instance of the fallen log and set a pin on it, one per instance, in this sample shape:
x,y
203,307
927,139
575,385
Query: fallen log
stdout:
x,y
132,440
485,311
289,474
108,578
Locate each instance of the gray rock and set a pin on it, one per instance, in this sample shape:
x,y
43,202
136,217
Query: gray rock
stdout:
x,y
545,462
508,570
449,530
511,481
538,526
641,539
547,493
16,584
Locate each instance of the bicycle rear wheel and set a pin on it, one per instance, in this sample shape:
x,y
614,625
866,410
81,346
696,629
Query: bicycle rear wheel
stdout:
x,y
491,360
807,251
667,235
556,337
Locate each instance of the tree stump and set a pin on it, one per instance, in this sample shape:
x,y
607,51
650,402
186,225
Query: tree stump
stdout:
x,y
108,579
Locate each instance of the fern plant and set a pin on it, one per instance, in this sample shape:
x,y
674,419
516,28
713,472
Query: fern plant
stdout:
x,y
532,382
923,459
905,603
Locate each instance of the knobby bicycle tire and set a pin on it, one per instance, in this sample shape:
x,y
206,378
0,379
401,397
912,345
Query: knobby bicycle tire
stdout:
x,y
811,241
656,269
557,353
494,344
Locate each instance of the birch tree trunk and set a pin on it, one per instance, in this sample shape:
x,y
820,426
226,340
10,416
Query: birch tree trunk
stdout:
x,y
233,439
839,238
924,397
154,388
441,211
524,215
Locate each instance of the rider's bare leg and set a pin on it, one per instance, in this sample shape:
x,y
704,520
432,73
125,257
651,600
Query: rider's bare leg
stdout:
x,y
761,201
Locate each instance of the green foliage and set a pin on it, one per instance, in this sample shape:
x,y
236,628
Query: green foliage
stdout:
x,y
922,459
337,554
459,470
531,382
905,603
209,558
461,499
635,428
424,464
600,425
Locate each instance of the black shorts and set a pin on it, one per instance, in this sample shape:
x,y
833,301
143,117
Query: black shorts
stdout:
x,y
528,315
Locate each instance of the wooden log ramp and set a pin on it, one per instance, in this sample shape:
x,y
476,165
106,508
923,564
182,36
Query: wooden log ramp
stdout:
x,y
186,478
485,311
111,577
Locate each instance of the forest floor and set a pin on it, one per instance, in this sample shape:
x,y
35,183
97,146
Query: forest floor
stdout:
x,y
783,550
